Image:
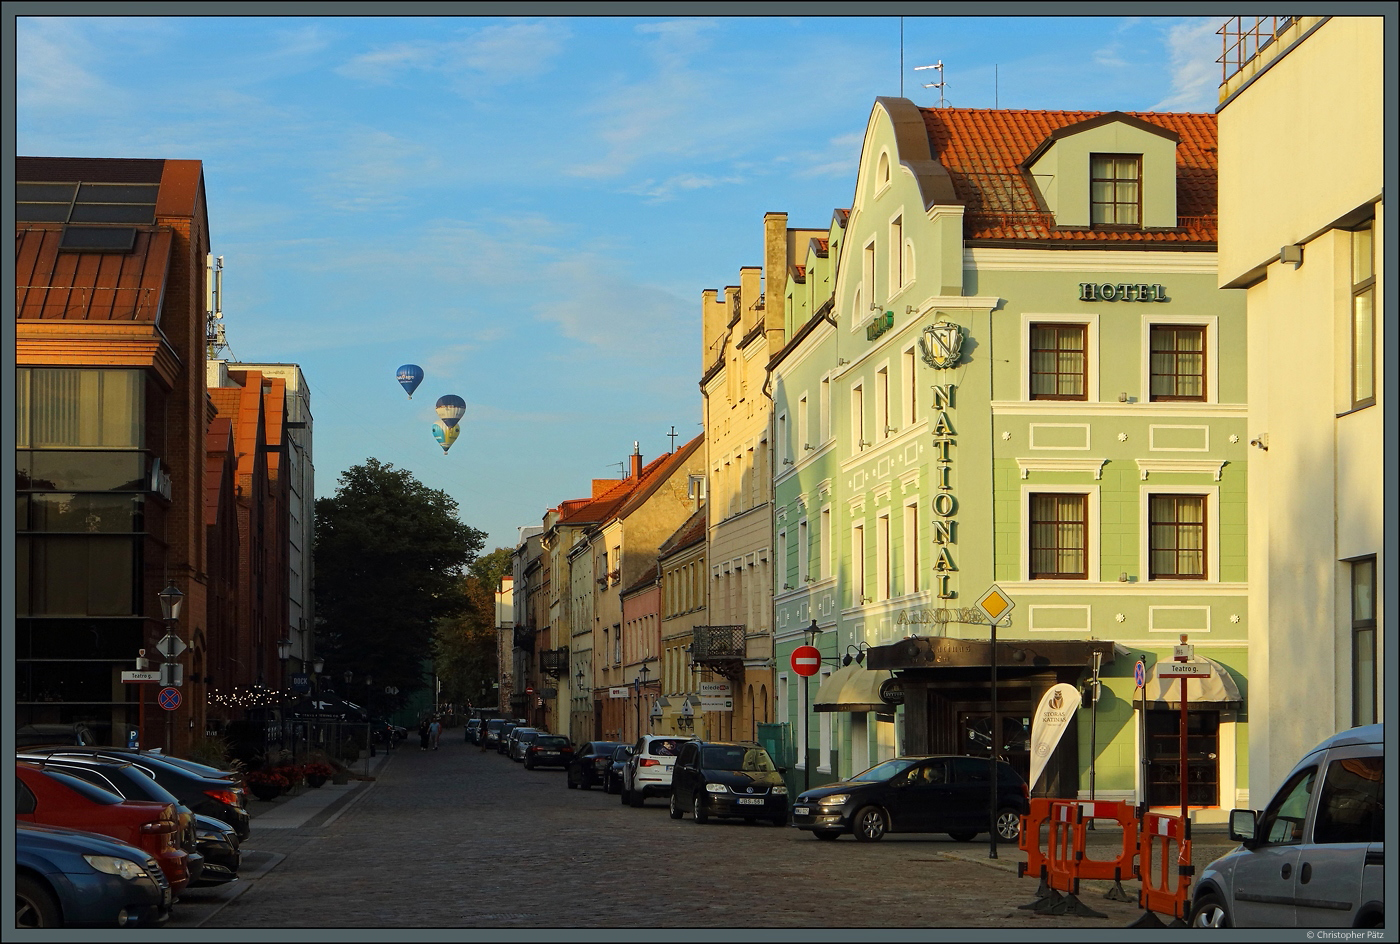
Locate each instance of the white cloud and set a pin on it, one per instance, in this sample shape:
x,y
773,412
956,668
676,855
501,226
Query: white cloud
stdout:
x,y
493,54
50,58
1195,75
681,183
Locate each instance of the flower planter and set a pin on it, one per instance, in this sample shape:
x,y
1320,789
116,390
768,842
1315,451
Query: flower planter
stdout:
x,y
264,791
315,780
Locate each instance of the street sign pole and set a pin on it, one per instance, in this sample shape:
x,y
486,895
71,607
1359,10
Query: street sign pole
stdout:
x,y
994,605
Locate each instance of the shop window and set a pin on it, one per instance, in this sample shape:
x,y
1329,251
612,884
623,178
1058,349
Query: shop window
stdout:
x,y
1059,361
1059,532
1363,318
1115,194
63,407
1178,361
1363,641
1177,532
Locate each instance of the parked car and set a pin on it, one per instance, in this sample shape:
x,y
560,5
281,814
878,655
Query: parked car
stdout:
x,y
548,750
493,731
728,779
612,777
219,844
589,764
648,770
473,730
503,736
51,798
213,796
1315,856
128,781
68,878
520,739
508,746
194,767
935,794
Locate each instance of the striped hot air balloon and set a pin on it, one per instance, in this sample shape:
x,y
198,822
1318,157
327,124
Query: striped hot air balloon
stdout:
x,y
450,409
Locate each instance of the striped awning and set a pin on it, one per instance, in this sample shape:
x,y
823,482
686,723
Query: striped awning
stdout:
x,y
1220,688
852,688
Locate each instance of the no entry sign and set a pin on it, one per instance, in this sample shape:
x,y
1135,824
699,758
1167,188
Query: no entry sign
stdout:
x,y
806,660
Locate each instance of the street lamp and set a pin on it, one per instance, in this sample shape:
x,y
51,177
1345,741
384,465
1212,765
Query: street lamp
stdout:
x,y
170,601
640,683
812,632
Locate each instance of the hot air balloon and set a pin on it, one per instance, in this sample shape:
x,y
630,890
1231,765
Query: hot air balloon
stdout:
x,y
446,435
410,375
450,409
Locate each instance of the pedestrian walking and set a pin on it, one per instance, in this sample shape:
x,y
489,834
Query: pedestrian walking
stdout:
x,y
424,732
481,735
434,732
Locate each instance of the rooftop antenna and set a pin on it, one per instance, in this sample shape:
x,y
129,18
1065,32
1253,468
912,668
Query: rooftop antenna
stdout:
x,y
940,84
215,339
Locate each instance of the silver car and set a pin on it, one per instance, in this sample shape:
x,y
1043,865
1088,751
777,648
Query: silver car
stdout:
x,y
1315,857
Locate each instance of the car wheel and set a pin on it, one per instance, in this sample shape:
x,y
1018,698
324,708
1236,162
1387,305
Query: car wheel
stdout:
x,y
1008,825
779,820
626,796
966,836
570,782
638,798
675,810
529,766
1209,912
871,824
826,834
34,906
699,812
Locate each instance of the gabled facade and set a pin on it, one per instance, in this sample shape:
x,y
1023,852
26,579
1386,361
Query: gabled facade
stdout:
x,y
1036,384
740,332
684,581
1303,234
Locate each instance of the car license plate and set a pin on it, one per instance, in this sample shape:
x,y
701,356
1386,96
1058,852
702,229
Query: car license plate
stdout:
x,y
800,810
750,801
165,896
549,753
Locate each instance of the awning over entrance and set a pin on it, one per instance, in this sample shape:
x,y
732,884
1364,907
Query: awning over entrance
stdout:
x,y
949,652
1220,689
852,688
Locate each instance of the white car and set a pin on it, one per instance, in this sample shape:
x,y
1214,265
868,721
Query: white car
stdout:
x,y
648,771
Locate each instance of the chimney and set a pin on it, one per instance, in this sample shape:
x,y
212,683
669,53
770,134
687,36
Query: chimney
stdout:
x,y
636,459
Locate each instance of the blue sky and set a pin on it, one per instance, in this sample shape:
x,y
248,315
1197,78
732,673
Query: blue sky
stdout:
x,y
530,208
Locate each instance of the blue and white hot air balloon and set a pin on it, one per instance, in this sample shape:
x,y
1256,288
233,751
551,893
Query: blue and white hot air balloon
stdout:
x,y
410,376
450,409
446,435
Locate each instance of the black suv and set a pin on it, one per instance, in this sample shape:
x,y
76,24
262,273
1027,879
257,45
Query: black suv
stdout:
x,y
727,779
941,794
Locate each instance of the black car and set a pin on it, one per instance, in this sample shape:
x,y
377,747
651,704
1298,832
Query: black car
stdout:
x,y
218,843
212,796
589,764
129,782
548,750
492,731
473,730
727,779
612,778
503,736
942,794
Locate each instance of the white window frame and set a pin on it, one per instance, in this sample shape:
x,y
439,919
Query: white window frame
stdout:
x,y
858,562
858,418
911,547
802,427
825,543
1212,352
824,408
1212,496
882,403
783,455
1091,343
910,405
882,558
783,561
824,730
1092,551
897,276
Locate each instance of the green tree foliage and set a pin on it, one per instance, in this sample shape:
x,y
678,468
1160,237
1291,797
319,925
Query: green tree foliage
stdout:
x,y
390,558
465,645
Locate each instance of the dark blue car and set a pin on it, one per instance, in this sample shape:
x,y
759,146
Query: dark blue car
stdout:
x,y
69,878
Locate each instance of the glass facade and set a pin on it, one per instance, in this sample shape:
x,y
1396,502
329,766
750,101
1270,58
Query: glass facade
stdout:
x,y
83,539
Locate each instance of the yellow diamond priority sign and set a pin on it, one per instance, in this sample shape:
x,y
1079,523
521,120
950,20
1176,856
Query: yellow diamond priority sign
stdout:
x,y
995,604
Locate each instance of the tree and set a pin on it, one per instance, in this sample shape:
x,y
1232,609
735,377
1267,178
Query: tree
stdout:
x,y
465,646
390,557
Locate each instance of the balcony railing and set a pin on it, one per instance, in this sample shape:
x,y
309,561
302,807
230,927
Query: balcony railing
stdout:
x,y
715,643
555,662
1244,37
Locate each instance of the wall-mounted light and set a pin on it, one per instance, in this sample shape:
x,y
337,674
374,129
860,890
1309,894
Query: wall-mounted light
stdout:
x,y
1262,441
787,462
1123,577
1293,255
807,446
1123,397
841,361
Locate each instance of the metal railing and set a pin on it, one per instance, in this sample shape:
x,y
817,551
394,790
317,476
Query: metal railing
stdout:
x,y
1244,37
711,643
554,662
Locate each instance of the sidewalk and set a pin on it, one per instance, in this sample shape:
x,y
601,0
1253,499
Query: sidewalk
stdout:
x,y
313,806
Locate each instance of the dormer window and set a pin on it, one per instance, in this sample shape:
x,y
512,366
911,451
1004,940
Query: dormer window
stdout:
x,y
1115,191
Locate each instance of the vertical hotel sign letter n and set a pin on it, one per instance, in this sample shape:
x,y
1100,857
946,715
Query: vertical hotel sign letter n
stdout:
x,y
941,346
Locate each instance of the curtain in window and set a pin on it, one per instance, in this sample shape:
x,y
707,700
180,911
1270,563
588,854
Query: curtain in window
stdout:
x,y
1058,536
1177,535
83,408
1057,361
1178,363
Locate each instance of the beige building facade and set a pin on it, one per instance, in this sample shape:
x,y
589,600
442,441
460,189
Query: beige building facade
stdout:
x,y
1302,230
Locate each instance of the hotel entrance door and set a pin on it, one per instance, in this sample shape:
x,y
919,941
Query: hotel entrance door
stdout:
x,y
974,736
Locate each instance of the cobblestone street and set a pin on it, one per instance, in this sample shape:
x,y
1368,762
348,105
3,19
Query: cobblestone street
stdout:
x,y
461,839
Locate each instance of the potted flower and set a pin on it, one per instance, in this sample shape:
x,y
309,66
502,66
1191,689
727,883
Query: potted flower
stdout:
x,y
266,783
318,774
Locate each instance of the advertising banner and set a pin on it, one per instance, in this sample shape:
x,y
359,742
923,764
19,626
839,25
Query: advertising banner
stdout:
x,y
1052,716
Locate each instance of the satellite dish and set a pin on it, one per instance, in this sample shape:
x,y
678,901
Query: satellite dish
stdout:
x,y
410,376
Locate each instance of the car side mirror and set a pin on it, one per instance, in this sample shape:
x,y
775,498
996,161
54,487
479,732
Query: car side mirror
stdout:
x,y
1243,824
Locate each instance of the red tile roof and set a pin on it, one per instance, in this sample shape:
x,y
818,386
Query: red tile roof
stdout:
x,y
984,151
688,534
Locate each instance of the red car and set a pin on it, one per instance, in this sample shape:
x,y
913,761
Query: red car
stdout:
x,y
51,798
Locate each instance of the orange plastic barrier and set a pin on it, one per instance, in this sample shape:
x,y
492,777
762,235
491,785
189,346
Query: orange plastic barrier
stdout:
x,y
1158,893
1029,840
1122,866
1063,851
